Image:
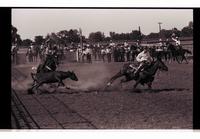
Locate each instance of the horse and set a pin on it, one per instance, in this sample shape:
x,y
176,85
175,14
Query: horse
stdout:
x,y
35,52
178,54
144,77
51,77
181,55
50,64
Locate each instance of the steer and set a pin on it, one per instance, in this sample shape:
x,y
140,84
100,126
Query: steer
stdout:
x,y
51,77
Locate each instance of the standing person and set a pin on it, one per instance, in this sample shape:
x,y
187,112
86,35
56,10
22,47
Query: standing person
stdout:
x,y
14,51
144,59
89,54
122,54
78,53
29,54
128,52
108,52
41,50
160,46
103,53
99,51
46,52
167,42
133,52
137,43
94,51
112,44
160,43
115,54
125,44
118,53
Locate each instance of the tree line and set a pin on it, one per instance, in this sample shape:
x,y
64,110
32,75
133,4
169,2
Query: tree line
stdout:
x,y
66,37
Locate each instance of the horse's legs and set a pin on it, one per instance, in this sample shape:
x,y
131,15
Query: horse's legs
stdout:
x,y
60,83
149,85
137,82
177,59
184,58
119,74
36,86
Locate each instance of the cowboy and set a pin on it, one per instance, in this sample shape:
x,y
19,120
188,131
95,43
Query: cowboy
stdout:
x,y
108,53
49,58
144,59
177,42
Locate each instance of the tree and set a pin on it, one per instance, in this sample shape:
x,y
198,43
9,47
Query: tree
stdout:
x,y
166,33
39,40
63,37
16,39
187,32
96,36
26,42
112,35
135,35
153,36
190,25
73,36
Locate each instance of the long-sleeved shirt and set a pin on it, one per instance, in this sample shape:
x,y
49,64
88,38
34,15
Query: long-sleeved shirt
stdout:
x,y
144,57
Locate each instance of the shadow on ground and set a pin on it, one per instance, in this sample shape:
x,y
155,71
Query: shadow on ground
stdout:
x,y
67,90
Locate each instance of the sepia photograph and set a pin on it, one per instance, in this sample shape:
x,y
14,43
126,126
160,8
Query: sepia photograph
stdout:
x,y
101,68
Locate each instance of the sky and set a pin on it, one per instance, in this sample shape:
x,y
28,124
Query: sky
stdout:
x,y
33,22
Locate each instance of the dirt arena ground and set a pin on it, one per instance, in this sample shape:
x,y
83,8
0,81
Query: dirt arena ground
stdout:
x,y
87,105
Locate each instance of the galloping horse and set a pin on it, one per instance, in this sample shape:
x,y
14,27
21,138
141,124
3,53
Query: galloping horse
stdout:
x,y
178,54
144,77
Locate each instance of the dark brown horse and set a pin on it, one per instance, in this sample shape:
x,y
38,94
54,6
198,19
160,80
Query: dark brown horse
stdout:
x,y
144,77
178,54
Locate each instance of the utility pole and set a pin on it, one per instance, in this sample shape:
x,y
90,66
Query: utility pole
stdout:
x,y
159,24
81,40
140,34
